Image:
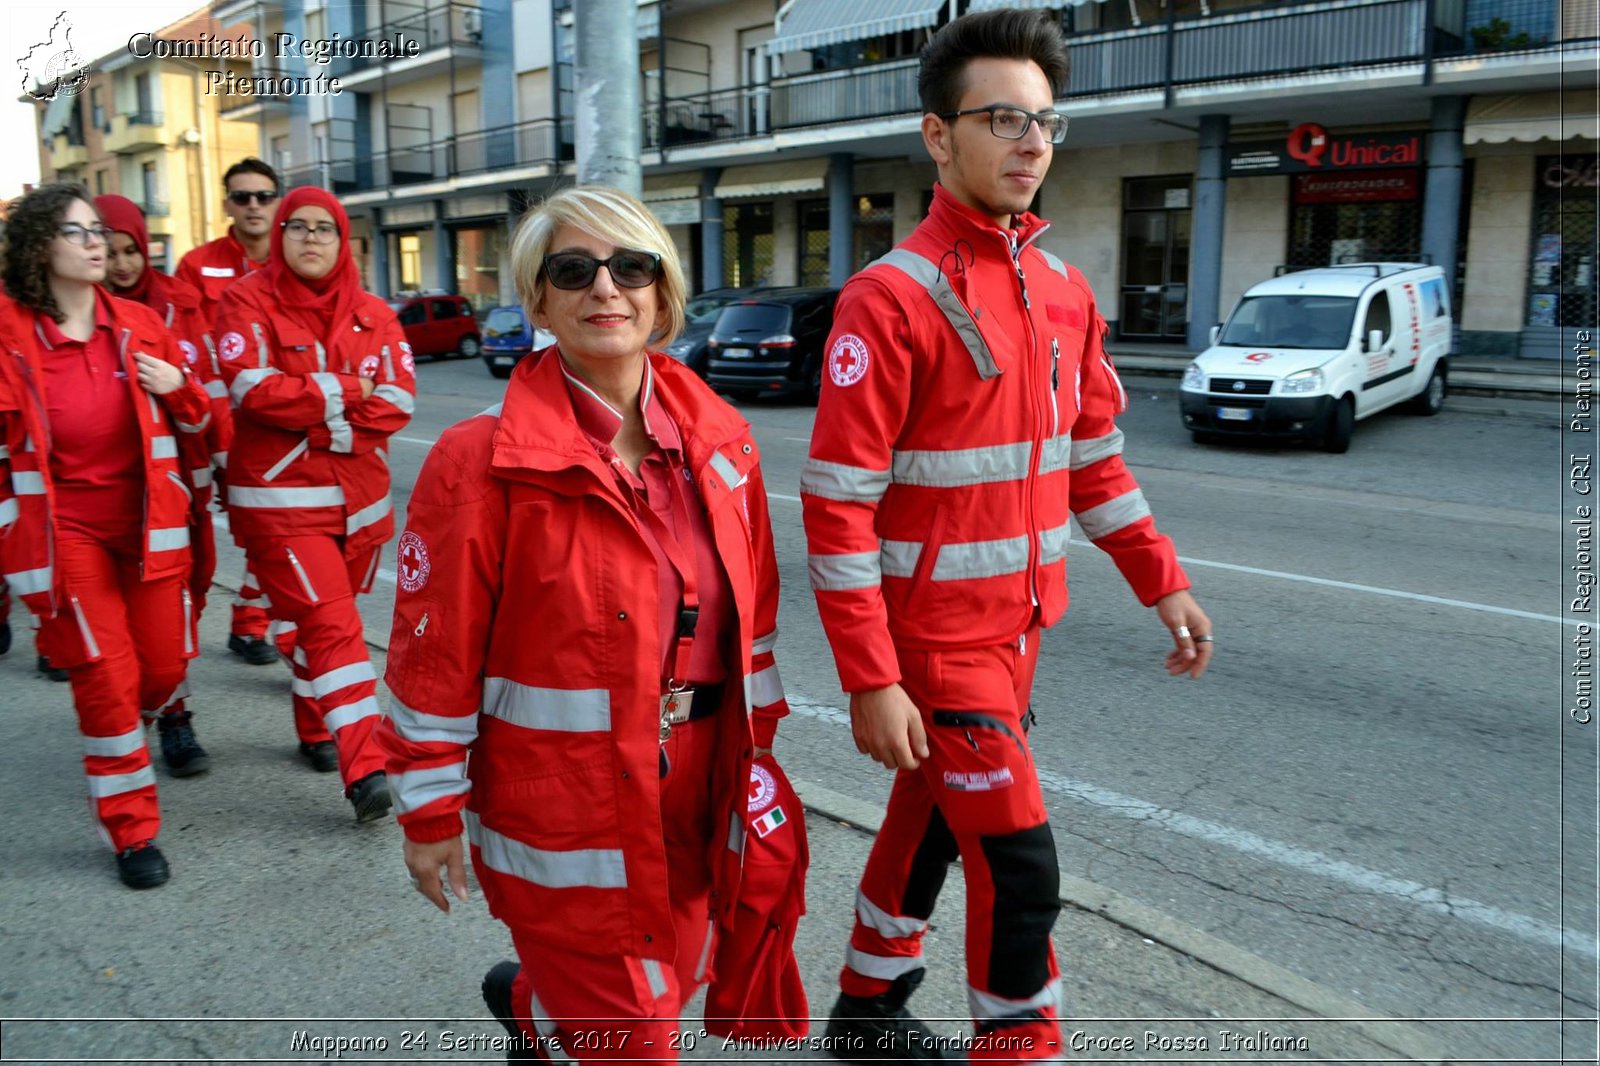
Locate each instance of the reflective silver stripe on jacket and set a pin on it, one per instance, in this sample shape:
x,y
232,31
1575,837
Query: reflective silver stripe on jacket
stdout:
x,y
726,470
981,558
247,380
368,515
216,389
926,273
564,710
333,411
8,511
881,921
351,713
1114,514
263,352
30,582
201,476
312,496
290,456
400,398
989,1005
579,868
765,687
1056,454
105,786
27,482
764,643
956,467
840,573
114,747
5,453
164,446
840,481
1053,543
1054,263
1095,449
416,727
166,540
898,558
415,789
194,427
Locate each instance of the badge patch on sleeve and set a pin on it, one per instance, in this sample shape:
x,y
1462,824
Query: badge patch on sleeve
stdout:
x,y
369,367
847,360
412,564
232,346
190,352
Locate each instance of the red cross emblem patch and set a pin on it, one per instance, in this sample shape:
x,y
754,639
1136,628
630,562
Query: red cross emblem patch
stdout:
x,y
412,564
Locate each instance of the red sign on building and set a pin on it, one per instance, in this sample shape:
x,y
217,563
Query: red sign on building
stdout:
x,y
1309,148
1357,187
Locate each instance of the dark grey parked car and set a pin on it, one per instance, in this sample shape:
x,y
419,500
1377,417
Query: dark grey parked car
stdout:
x,y
699,317
771,343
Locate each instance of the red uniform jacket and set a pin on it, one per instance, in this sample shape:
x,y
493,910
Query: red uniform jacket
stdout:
x,y
967,410
308,452
211,268
27,492
525,634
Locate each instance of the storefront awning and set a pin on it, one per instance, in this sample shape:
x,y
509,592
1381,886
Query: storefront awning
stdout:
x,y
813,23
1032,5
773,179
670,187
57,114
1529,117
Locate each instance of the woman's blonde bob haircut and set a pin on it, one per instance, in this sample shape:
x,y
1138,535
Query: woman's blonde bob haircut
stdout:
x,y
611,215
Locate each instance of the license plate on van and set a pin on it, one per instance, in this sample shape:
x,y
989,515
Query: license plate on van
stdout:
x,y
1235,414
504,360
736,353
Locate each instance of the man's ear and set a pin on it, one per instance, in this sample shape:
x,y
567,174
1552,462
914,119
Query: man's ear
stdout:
x,y
936,133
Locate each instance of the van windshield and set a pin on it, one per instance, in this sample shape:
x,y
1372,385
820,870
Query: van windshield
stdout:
x,y
1290,322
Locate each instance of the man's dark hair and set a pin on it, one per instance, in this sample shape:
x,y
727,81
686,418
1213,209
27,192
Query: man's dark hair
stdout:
x,y
33,222
251,165
1004,34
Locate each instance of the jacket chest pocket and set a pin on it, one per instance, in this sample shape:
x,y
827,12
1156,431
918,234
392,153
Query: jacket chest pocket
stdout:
x,y
299,350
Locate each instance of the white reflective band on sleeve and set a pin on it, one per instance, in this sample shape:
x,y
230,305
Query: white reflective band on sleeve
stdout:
x,y
290,456
216,389
581,868
419,728
1095,449
963,466
397,396
9,511
415,789
219,459
881,921
299,657
575,710
166,540
164,447
726,470
350,713
249,379
1113,515
839,573
981,558
492,412
1053,543
341,677
1056,454
5,453
883,967
1053,262
29,582
987,1005
339,432
926,273
368,515
194,427
764,643
899,557
114,747
262,351
839,481
766,688
201,476
301,687
312,496
117,784
27,483
705,950
654,977
736,832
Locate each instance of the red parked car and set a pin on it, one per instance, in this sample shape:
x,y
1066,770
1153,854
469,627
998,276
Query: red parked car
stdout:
x,y
439,324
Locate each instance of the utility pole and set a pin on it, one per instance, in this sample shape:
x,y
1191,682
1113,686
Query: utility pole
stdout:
x,y
606,108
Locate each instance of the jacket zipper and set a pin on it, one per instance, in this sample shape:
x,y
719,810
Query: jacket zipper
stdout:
x,y
421,626
144,435
300,572
1030,486
967,721
188,622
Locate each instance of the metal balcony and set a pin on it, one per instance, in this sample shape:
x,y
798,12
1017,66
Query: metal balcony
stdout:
x,y
449,34
67,152
506,148
135,132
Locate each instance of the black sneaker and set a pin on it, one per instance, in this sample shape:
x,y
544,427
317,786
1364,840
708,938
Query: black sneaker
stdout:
x,y
5,636
323,755
497,995
370,797
179,749
253,650
880,1029
54,673
143,866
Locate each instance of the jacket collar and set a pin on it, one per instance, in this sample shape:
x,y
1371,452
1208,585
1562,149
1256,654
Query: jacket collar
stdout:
x,y
49,332
951,221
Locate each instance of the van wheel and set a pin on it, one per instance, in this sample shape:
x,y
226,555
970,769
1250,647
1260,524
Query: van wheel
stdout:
x,y
468,348
1430,401
1341,424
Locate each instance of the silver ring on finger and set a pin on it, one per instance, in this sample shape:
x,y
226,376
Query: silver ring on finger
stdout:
x,y
1181,632
1206,639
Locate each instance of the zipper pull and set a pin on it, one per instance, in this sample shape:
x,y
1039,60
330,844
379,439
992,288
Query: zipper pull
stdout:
x,y
1055,365
421,626
974,743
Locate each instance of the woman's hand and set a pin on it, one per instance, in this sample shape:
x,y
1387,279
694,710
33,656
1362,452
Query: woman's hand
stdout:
x,y
425,860
157,376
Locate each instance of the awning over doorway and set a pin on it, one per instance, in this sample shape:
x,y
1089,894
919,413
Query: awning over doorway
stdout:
x,y
813,23
670,187
57,114
1528,117
773,179
1034,5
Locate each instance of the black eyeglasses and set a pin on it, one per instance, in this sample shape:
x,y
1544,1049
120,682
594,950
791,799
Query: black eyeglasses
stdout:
x,y
76,234
241,198
574,270
1011,123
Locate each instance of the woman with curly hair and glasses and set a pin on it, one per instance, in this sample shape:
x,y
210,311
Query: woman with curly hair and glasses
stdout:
x,y
96,507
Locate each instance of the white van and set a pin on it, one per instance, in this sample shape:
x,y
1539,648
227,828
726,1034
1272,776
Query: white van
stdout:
x,y
1310,353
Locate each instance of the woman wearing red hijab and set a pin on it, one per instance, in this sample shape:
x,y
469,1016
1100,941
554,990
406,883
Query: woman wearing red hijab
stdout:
x,y
130,276
320,375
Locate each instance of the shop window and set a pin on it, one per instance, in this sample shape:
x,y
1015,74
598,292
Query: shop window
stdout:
x,y
1561,271
747,247
481,253
872,235
1356,217
410,262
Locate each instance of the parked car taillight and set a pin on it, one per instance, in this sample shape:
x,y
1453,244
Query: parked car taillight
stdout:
x,y
780,340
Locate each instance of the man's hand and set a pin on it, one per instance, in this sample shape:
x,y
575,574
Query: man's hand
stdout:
x,y
888,727
367,385
1191,634
157,376
425,860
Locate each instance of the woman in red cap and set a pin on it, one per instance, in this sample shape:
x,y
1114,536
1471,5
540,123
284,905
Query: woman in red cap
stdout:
x,y
320,375
130,276
96,402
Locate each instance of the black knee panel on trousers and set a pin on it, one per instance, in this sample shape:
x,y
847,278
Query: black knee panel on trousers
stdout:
x,y
935,852
1027,899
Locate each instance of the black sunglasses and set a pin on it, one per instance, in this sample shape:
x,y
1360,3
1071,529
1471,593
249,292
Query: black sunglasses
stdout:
x,y
242,198
574,270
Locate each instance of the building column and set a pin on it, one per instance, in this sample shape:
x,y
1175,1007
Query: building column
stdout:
x,y
442,258
841,217
1205,235
712,273
1441,204
606,93
380,256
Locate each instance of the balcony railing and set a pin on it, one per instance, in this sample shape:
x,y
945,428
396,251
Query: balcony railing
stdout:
x,y
155,208
719,116
454,23
144,117
526,144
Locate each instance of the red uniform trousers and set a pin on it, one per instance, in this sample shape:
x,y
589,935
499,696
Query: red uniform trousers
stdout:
x,y
308,581
249,612
610,1008
977,796
143,639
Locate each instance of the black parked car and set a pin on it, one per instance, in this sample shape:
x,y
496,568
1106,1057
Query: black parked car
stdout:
x,y
771,343
699,318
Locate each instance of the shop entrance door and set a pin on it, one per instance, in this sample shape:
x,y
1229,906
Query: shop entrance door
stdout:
x,y
1155,258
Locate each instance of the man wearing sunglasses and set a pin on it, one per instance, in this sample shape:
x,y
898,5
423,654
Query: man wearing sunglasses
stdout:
x,y
966,417
250,199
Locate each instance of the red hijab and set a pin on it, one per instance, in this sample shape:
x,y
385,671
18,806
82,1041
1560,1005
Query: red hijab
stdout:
x,y
318,304
123,216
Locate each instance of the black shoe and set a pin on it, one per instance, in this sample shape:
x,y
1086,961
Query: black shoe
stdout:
x,y
143,866
497,995
253,650
54,673
322,755
5,637
179,749
370,797
880,1029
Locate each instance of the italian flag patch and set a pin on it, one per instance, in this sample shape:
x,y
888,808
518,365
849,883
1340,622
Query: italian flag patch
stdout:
x,y
770,821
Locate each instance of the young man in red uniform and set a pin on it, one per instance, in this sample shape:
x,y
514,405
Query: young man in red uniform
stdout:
x,y
967,415
251,190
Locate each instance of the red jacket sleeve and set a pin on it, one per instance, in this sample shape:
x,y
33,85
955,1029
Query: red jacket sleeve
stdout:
x,y
188,405
767,701
368,423
846,476
259,390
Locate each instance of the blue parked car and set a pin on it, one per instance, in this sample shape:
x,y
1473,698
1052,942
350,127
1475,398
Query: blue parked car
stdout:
x,y
507,337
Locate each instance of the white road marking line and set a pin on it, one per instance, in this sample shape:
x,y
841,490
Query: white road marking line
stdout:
x,y
1434,900
781,496
430,442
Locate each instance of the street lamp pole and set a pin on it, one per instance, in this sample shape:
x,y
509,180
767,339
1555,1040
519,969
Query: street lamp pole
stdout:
x,y
606,107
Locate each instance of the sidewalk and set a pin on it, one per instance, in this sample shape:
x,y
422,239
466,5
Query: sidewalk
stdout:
x,y
284,916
